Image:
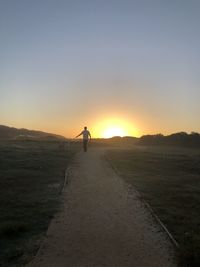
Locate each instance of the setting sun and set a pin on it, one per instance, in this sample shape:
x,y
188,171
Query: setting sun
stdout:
x,y
114,127
114,131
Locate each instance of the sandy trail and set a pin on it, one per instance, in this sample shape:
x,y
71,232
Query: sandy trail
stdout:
x,y
102,223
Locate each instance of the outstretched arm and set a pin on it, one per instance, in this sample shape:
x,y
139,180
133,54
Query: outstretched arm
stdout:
x,y
78,135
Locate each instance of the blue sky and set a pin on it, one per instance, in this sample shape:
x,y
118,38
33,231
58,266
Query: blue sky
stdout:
x,y
65,64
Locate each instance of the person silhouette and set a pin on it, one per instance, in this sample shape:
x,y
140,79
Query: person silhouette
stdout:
x,y
86,135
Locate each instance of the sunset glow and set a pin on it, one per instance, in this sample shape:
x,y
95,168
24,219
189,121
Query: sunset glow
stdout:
x,y
114,131
114,127
125,68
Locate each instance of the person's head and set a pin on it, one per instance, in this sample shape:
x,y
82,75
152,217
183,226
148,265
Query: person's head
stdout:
x,y
85,128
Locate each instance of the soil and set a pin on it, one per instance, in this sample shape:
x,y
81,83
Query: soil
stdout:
x,y
102,222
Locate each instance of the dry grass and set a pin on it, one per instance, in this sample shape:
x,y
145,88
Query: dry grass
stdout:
x,y
169,180
31,178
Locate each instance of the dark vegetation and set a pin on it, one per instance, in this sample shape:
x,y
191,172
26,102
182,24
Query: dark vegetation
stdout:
x,y
164,169
8,133
178,139
114,141
169,180
31,179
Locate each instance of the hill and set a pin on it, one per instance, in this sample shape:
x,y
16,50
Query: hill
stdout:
x,y
179,139
12,133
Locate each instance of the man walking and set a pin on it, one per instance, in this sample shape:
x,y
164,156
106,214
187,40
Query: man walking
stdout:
x,y
86,135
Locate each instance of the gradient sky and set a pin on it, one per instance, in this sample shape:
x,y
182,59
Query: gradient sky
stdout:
x,y
66,64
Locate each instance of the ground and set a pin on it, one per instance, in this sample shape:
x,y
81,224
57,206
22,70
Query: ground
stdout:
x,y
102,222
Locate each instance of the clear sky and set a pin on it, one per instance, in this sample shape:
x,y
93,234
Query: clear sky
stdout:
x,y
129,65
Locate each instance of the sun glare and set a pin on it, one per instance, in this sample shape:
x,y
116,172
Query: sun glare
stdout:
x,y
114,127
113,131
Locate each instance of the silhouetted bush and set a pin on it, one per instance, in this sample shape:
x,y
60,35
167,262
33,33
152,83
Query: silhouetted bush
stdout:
x,y
179,139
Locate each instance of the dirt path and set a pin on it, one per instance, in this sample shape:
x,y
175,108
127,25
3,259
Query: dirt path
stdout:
x,y
101,223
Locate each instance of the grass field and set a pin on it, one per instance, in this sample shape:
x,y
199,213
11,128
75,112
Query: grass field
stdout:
x,y
31,178
169,180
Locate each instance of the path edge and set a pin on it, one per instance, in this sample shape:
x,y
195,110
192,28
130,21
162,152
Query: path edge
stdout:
x,y
149,208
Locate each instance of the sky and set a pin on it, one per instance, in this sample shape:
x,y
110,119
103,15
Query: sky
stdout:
x,y
120,67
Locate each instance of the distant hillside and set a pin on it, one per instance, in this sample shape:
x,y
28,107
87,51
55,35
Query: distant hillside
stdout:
x,y
179,139
116,140
24,134
123,140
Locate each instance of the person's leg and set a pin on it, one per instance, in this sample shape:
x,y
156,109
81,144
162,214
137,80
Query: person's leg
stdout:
x,y
85,145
